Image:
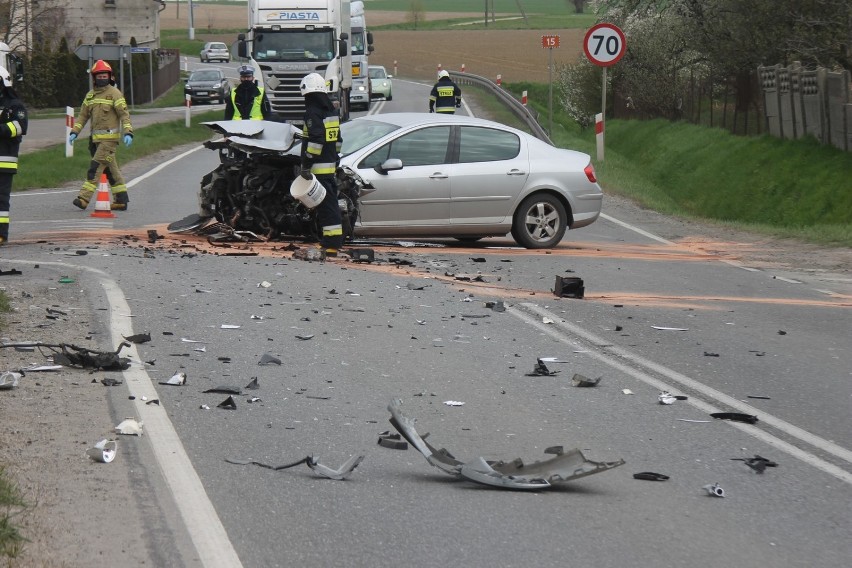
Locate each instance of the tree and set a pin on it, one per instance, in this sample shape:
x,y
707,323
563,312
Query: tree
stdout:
x,y
416,12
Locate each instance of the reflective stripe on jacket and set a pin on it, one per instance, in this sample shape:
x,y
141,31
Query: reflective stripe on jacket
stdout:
x,y
322,142
256,112
107,109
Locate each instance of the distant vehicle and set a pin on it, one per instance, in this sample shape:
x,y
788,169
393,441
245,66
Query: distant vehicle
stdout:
x,y
207,85
434,175
215,51
381,83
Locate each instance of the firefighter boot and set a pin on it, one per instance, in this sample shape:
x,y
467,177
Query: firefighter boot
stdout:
x,y
80,202
120,201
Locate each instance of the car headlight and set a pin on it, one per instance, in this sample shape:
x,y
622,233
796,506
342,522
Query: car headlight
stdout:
x,y
217,85
362,88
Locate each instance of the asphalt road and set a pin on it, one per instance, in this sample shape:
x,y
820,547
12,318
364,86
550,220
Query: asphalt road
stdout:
x,y
657,316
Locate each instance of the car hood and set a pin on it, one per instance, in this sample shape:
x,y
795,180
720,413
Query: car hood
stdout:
x,y
259,135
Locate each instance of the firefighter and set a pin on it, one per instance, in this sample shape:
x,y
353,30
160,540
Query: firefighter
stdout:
x,y
106,108
248,101
445,96
13,126
320,152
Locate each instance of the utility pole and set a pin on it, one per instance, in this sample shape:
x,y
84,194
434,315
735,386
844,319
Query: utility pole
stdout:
x,y
191,27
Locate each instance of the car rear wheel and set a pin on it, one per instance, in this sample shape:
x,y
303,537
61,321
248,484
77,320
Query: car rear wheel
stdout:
x,y
540,221
389,97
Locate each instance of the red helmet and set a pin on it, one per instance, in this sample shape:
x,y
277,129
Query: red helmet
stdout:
x,y
100,66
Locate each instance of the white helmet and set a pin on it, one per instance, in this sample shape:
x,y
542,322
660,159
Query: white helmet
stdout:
x,y
443,73
4,75
313,83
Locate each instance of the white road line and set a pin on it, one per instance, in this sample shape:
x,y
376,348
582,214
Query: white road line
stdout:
x,y
636,229
208,535
610,354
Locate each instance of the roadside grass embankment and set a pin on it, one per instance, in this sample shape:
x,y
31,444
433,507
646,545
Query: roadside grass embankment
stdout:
x,y
784,188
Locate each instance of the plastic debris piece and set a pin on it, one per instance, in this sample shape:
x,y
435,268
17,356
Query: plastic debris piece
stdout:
x,y
714,490
709,354
569,287
225,389
229,326
187,340
497,306
129,427
392,441
204,407
696,421
228,404
34,368
415,286
253,384
110,382
736,417
547,320
9,380
178,379
103,451
758,464
154,401
666,398
264,284
582,381
650,476
362,254
202,349
541,370
453,403
139,338
759,397
661,328
480,471
253,399
626,391
269,359
338,474
305,337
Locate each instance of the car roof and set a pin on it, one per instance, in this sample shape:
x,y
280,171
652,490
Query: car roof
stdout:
x,y
407,119
375,66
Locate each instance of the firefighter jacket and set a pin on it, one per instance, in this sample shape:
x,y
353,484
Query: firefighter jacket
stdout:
x,y
322,142
13,125
107,109
247,102
445,96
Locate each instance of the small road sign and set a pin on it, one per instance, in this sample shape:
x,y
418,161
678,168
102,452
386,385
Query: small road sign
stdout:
x,y
604,44
549,41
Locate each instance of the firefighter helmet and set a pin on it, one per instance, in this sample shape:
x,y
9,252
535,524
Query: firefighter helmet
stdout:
x,y
443,73
313,83
101,66
5,77
245,70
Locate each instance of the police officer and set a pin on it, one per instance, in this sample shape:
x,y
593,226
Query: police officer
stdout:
x,y
248,101
106,108
445,96
13,126
320,152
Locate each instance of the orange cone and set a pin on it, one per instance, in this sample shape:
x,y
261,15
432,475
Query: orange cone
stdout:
x,y
102,205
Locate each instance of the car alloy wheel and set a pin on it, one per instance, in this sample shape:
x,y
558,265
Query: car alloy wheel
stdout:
x,y
540,221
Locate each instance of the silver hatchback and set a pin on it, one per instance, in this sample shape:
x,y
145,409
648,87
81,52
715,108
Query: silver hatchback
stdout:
x,y
433,175
215,51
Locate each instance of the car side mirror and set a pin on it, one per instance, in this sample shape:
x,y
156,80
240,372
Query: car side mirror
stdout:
x,y
389,165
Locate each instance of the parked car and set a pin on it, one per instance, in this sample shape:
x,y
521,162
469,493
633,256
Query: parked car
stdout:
x,y
359,96
215,51
207,85
380,82
432,175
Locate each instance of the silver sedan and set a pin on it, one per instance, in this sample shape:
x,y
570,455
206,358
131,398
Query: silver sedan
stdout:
x,y
432,175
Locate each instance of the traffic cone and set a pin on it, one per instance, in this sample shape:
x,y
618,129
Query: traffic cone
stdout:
x,y
102,205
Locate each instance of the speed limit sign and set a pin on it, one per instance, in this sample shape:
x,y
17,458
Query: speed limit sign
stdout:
x,y
604,44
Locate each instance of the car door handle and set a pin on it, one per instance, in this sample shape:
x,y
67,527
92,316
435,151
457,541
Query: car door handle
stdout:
x,y
516,173
438,175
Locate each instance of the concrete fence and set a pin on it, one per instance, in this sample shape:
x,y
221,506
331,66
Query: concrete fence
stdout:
x,y
802,102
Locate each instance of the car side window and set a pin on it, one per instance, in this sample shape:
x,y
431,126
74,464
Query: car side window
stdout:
x,y
424,147
479,144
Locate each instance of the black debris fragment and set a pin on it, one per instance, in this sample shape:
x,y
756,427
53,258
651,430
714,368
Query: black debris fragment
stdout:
x,y
338,474
735,417
139,338
709,354
269,359
759,396
228,404
225,389
110,382
153,236
569,287
253,384
758,463
497,306
362,254
305,337
541,370
69,355
392,441
579,380
650,476
10,272
154,401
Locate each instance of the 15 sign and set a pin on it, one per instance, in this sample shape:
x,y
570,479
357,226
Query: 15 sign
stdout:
x,y
604,44
549,41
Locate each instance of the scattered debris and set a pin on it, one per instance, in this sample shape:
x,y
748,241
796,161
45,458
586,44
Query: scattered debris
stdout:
x,y
715,490
154,401
69,355
103,451
758,464
696,421
139,338
229,326
362,254
269,359
110,382
305,337
204,407
541,370
569,287
228,404
453,403
264,284
515,474
253,399
224,389
178,379
338,474
661,328
626,391
579,380
253,384
9,380
758,396
650,476
708,354
187,340
735,416
309,254
782,332
497,306
547,320
668,398
129,427
11,272
392,441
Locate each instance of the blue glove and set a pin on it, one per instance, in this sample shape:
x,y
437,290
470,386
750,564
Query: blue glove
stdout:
x,y
72,137
128,140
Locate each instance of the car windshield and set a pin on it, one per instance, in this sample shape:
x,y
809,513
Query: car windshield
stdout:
x,y
217,46
294,46
377,73
358,133
204,76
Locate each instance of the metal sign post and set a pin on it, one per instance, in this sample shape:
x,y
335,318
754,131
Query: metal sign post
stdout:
x,y
604,45
550,42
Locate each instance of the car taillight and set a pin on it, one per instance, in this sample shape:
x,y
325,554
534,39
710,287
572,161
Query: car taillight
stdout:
x,y
590,173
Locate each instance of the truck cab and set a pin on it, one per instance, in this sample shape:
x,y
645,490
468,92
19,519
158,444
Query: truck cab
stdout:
x,y
12,62
362,46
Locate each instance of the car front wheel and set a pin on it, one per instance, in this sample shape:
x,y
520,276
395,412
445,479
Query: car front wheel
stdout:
x,y
540,222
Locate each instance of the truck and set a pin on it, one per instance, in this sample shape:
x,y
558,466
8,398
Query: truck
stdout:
x,y
287,39
12,62
362,47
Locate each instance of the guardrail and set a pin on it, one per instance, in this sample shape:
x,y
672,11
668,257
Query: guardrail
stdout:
x,y
519,110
